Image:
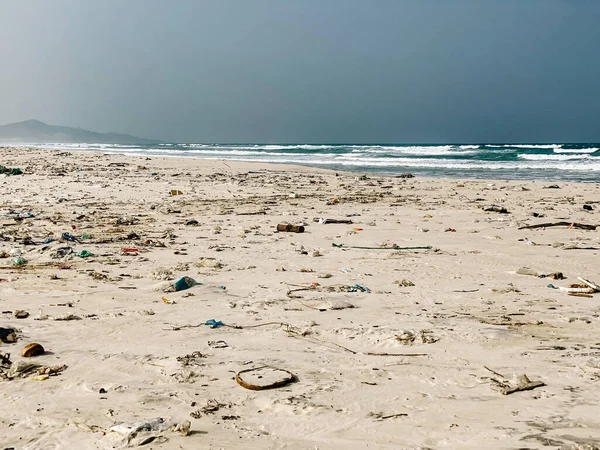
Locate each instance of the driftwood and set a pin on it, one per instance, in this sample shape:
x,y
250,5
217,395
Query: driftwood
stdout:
x,y
523,386
583,226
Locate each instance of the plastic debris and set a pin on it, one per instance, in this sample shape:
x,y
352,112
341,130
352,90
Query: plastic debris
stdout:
x,y
84,254
290,228
213,323
264,377
32,350
69,237
184,283
16,215
10,170
17,261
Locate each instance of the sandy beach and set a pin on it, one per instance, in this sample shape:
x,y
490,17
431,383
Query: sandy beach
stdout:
x,y
409,327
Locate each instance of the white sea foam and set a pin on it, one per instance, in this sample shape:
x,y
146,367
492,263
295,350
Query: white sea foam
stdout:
x,y
432,163
554,157
576,150
425,150
554,146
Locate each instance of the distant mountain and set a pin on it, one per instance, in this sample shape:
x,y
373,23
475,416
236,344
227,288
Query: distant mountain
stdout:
x,y
34,131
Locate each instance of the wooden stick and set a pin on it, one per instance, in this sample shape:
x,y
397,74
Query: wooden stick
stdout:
x,y
523,387
494,372
560,224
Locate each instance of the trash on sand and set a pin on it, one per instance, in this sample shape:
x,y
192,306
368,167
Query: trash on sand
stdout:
x,y
21,314
209,263
160,273
84,254
8,335
589,283
69,237
324,221
174,192
146,431
404,283
10,170
10,370
578,289
527,271
392,247
588,207
358,288
582,226
523,384
32,350
213,323
61,252
17,261
290,228
16,215
496,208
184,283
264,377
218,344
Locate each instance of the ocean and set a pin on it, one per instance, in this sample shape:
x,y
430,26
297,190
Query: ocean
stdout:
x,y
548,162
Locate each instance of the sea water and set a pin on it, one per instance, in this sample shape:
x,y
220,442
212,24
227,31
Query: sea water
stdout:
x,y
550,162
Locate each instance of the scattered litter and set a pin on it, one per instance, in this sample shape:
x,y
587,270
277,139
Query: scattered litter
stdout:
x,y
10,170
218,344
8,335
161,273
32,350
560,224
264,377
523,383
213,323
17,261
181,284
290,228
495,208
323,221
392,247
146,431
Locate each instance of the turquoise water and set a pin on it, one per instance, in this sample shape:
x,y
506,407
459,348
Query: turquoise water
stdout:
x,y
549,162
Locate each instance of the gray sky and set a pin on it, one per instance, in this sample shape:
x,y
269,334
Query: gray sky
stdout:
x,y
306,70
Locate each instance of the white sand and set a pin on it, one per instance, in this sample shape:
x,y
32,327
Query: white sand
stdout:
x,y
475,309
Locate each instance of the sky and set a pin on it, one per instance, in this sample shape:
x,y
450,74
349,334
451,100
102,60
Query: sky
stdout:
x,y
304,71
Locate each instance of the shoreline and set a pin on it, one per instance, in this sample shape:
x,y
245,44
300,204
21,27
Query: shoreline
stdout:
x,y
402,328
302,167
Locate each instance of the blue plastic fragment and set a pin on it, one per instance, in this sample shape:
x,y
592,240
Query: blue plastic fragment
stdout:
x,y
69,237
551,286
358,287
213,323
184,283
